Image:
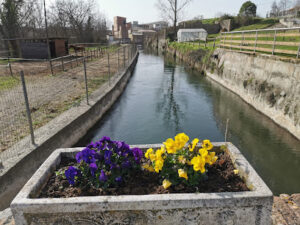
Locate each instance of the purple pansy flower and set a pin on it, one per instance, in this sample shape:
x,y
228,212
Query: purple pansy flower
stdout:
x,y
102,176
71,173
126,164
138,154
118,179
86,155
93,168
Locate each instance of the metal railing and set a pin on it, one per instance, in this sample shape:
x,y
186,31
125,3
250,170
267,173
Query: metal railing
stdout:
x,y
280,41
29,100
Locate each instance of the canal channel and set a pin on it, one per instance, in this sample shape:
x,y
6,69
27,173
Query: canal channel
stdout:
x,y
163,99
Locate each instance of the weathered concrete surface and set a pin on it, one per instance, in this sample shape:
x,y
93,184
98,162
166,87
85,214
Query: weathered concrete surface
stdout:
x,y
270,85
63,131
285,211
6,217
239,208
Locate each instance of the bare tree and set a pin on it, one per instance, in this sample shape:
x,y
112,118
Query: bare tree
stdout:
x,y
274,10
78,18
283,6
171,10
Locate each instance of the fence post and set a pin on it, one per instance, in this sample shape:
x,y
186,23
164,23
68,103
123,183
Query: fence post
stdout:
x,y
118,59
62,64
108,68
298,53
214,42
205,43
76,58
86,82
50,62
124,50
255,41
27,107
128,54
242,41
10,70
274,42
71,63
231,42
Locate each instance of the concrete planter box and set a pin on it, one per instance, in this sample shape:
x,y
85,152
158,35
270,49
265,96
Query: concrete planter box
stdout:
x,y
251,207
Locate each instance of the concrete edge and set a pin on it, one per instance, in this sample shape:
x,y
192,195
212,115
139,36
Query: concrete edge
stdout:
x,y
63,131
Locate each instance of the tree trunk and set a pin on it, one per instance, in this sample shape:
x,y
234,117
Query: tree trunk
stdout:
x,y
175,19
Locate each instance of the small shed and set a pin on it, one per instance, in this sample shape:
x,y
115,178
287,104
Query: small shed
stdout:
x,y
37,48
191,35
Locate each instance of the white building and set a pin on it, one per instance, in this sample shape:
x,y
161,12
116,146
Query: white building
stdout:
x,y
191,35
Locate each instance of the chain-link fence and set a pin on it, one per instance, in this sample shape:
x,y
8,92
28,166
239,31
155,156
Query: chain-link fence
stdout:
x,y
30,98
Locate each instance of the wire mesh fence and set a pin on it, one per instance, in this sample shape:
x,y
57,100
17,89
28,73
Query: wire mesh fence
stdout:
x,y
74,79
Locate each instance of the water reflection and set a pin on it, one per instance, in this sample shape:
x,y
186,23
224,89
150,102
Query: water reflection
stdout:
x,y
167,104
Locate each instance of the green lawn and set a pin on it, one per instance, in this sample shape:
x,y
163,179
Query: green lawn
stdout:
x,y
261,24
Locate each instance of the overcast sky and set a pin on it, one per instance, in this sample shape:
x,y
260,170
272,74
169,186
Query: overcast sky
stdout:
x,y
145,11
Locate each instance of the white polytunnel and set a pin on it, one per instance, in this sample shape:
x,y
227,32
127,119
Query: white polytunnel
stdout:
x,y
191,35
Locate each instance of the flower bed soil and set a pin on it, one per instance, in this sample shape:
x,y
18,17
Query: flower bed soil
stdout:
x,y
220,178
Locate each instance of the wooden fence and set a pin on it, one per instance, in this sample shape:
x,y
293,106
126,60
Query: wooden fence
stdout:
x,y
282,41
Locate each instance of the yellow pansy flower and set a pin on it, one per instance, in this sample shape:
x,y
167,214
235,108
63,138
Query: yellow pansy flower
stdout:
x,y
152,157
148,152
181,140
181,159
198,163
236,172
159,153
170,146
194,143
213,158
203,152
182,173
166,184
158,165
148,167
206,144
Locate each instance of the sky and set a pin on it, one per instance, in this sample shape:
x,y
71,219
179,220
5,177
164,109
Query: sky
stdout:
x,y
145,11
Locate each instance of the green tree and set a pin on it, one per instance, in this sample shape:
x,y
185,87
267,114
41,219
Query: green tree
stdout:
x,y
10,18
248,9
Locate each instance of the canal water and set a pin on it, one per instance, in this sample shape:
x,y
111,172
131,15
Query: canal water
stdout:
x,y
163,99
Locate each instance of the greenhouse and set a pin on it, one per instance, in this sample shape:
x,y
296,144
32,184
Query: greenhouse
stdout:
x,y
191,35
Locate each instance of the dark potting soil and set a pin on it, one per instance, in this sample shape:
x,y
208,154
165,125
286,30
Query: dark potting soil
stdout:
x,y
220,178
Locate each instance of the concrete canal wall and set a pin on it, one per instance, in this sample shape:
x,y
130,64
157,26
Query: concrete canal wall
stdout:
x,y
63,131
269,84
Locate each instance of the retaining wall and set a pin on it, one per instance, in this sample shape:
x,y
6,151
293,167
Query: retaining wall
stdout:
x,y
271,85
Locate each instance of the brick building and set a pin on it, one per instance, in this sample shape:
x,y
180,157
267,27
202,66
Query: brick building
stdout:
x,y
121,28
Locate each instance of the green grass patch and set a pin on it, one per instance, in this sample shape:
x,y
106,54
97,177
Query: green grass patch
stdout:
x,y
260,24
210,21
7,82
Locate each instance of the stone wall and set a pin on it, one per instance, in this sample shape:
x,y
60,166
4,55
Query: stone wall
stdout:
x,y
271,85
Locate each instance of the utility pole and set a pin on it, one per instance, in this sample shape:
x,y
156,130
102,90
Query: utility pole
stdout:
x,y
47,37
